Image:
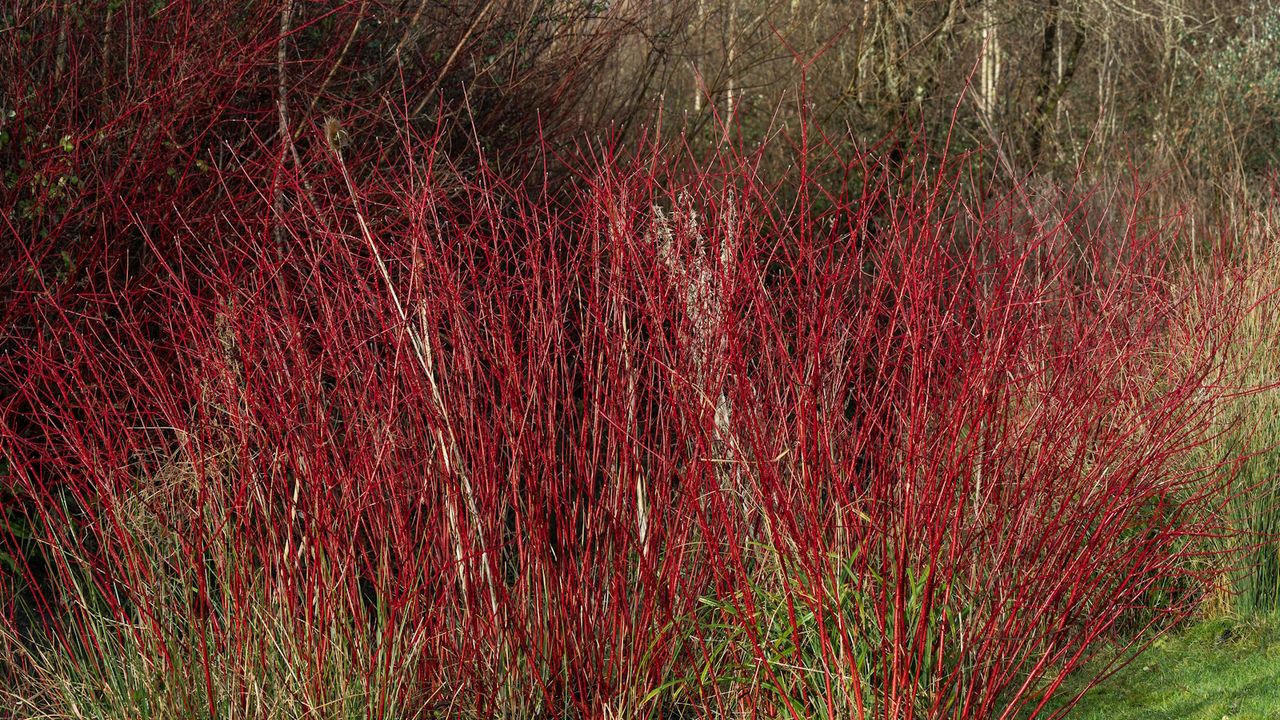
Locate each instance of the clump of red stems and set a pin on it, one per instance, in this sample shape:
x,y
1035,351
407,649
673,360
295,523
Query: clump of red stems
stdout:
x,y
663,442
119,118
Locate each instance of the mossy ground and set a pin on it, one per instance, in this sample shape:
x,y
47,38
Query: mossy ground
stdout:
x,y
1220,669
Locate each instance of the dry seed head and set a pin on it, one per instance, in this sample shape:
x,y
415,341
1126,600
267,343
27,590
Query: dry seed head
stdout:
x,y
335,134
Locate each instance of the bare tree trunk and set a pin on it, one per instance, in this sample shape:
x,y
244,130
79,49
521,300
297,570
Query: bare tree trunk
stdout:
x,y
1051,85
892,55
864,51
107,25
1106,89
731,42
698,47
60,53
989,71
282,106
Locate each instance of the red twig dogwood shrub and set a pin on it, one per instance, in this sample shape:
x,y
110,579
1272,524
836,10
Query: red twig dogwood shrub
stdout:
x,y
120,118
663,444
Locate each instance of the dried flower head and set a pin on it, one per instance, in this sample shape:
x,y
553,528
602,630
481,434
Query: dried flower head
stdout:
x,y
335,135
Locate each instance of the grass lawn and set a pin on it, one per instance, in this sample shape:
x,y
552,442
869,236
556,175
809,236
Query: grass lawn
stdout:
x,y
1219,669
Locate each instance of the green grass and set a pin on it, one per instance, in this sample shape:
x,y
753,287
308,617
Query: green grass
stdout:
x,y
1221,668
